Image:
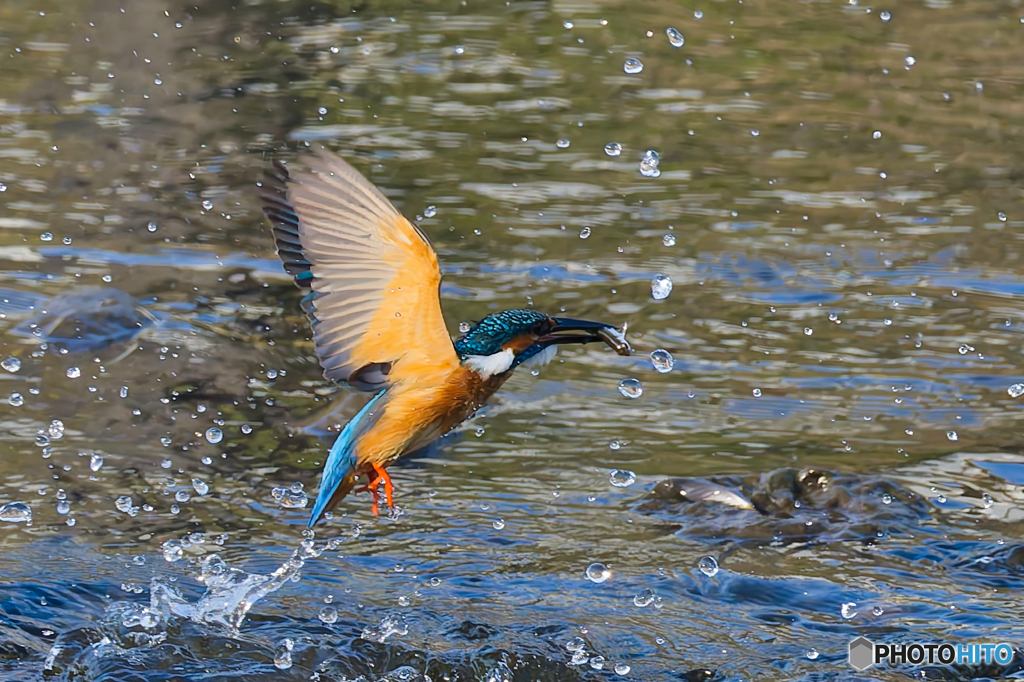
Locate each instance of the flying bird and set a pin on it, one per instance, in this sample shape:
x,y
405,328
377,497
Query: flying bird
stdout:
x,y
373,303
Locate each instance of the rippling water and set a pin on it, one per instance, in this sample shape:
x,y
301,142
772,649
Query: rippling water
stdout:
x,y
836,450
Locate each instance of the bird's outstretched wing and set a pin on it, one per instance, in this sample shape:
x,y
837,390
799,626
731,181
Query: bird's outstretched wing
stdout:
x,y
374,279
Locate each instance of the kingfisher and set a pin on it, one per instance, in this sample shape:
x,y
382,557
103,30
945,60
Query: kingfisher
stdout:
x,y
373,302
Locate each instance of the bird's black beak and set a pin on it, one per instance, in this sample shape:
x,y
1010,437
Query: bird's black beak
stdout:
x,y
567,330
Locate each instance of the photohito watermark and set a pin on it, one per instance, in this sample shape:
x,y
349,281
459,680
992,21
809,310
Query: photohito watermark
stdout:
x,y
864,653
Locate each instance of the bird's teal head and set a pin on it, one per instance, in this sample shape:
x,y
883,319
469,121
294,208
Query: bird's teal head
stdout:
x,y
502,341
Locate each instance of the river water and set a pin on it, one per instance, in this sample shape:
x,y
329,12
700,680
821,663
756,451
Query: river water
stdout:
x,y
836,450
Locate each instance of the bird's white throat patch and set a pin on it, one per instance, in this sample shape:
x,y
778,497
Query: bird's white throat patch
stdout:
x,y
489,365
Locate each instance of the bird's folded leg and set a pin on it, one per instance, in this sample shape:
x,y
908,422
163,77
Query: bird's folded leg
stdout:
x,y
389,488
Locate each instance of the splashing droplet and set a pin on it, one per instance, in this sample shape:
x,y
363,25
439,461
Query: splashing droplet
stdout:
x,y
669,240
756,392
613,149
214,435
585,232
631,388
708,566
1016,390
598,573
633,66
430,211
621,668
283,654
848,610
200,486
74,372
621,478
12,364
16,512
662,360
172,550
562,143
661,287
328,615
649,164
16,400
207,204
675,38
885,16
952,435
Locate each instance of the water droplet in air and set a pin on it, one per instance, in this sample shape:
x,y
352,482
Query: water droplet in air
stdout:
x,y
597,662
575,644
562,143
172,550
909,61
328,615
598,573
183,496
46,237
675,38
63,507
74,372
633,65
812,654
95,462
56,430
708,566
151,226
16,512
662,360
661,287
887,499
16,400
756,392
123,503
987,500
3,187
12,365
245,428
613,149
877,134
951,435
621,668
124,392
848,610
649,164
200,486
283,654
698,15
207,204
631,388
621,478
964,349
566,25
214,435
460,50
499,524
885,16
585,232
669,240
1002,217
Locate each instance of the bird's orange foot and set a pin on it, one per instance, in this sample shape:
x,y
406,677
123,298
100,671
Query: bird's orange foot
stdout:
x,y
389,489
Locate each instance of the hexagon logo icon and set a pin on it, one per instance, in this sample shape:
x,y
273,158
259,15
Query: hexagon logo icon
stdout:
x,y
862,653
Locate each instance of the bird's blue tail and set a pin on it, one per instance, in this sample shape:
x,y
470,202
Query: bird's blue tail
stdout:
x,y
340,470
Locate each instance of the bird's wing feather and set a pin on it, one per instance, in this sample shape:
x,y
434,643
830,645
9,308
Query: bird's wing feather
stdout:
x,y
374,306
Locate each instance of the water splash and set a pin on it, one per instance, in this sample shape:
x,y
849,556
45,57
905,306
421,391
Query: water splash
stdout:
x,y
230,592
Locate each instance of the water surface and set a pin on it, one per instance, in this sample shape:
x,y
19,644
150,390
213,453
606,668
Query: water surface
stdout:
x,y
839,209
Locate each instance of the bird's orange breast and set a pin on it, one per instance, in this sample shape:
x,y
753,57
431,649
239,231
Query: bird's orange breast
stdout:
x,y
419,412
